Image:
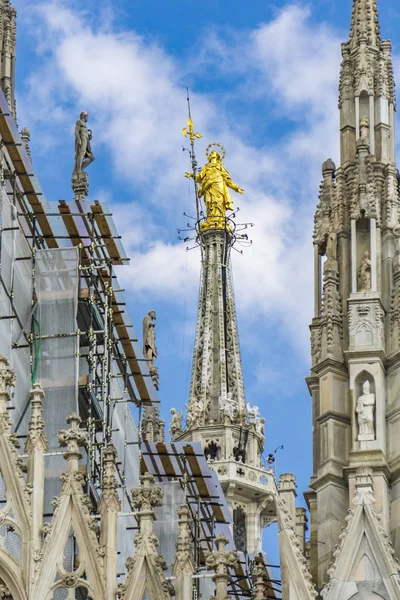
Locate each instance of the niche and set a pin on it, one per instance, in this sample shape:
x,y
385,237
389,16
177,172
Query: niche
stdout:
x,y
239,529
212,452
363,247
365,405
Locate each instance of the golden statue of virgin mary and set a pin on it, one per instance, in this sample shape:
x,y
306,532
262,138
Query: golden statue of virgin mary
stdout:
x,y
214,183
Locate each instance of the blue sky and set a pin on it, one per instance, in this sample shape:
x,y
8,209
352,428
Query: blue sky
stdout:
x,y
263,77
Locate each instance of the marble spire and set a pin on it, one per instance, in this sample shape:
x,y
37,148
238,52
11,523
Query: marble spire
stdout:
x,y
365,23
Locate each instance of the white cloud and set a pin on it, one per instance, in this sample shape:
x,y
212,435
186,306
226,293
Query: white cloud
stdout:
x,y
134,92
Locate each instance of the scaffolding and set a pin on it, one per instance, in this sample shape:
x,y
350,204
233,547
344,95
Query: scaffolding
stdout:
x,y
64,322
210,516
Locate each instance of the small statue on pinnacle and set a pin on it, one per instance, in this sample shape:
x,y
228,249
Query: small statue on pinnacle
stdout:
x,y
149,345
83,156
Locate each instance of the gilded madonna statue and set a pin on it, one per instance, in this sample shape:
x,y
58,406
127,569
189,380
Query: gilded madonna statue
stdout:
x,y
214,183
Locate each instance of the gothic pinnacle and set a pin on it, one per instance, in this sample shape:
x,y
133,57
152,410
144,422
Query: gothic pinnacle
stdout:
x,y
365,23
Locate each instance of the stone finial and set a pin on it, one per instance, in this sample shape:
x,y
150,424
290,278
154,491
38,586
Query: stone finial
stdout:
x,y
26,138
364,487
220,561
364,26
184,543
148,496
328,167
152,427
74,438
36,435
260,581
287,482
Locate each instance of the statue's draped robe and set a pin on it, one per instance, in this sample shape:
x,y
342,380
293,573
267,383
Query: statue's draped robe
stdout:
x,y
214,182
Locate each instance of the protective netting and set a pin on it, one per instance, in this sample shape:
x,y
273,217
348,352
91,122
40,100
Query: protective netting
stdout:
x,y
56,360
166,523
125,438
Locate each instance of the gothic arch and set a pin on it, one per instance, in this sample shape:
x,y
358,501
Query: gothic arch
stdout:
x,y
11,574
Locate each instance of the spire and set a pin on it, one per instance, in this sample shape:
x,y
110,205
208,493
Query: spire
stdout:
x,y
8,42
365,23
216,390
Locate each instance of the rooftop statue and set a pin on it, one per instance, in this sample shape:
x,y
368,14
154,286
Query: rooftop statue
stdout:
x,y
214,183
149,345
83,151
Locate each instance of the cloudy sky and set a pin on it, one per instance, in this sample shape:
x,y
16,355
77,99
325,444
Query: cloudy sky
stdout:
x,y
263,77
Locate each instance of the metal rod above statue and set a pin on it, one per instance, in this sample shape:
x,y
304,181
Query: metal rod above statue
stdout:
x,y
83,157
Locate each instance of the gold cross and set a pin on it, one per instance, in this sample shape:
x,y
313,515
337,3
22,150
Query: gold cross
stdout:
x,y
190,132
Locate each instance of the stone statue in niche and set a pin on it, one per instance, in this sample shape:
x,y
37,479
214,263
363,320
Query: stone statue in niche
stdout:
x,y
365,414
364,272
364,128
331,246
176,422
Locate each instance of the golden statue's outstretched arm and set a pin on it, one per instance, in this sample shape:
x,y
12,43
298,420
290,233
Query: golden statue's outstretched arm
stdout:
x,y
191,176
234,186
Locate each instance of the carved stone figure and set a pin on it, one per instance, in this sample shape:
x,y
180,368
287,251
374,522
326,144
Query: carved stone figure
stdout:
x,y
253,413
331,246
149,337
364,272
260,426
364,128
194,415
83,151
365,414
176,422
215,182
227,405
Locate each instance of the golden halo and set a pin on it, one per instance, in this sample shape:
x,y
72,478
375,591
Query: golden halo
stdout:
x,y
219,146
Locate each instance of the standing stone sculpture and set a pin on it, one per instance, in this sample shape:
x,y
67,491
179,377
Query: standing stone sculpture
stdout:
x,y
83,152
149,345
365,414
253,413
227,405
83,156
364,128
331,246
215,182
364,272
176,422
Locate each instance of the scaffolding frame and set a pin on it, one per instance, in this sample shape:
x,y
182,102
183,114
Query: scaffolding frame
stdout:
x,y
104,334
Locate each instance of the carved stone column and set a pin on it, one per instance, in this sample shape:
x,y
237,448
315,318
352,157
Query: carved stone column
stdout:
x,y
183,567
220,561
7,379
35,447
108,508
